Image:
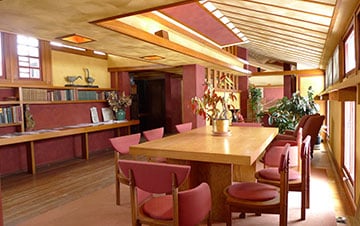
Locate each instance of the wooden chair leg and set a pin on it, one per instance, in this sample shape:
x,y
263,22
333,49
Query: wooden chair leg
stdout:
x,y
303,205
229,217
117,190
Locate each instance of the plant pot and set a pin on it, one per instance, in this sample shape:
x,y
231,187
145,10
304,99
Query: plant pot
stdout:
x,y
220,126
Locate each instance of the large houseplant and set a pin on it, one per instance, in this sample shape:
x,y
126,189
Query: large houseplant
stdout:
x,y
287,112
215,107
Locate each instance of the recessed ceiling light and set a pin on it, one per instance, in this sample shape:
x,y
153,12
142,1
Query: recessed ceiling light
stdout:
x,y
75,38
152,57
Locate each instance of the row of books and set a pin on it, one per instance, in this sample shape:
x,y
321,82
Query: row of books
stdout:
x,y
61,95
10,114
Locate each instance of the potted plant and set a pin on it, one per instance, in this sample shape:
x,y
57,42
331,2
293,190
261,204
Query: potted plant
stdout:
x,y
215,107
119,103
287,112
255,102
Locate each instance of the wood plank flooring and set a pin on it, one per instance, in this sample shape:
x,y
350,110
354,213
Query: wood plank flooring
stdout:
x,y
25,195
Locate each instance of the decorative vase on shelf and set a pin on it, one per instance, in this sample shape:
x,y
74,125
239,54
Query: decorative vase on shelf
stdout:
x,y
120,114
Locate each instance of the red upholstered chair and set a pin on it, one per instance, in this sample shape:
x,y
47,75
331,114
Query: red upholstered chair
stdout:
x,y
121,147
189,207
298,180
292,134
184,127
253,197
274,150
312,128
155,134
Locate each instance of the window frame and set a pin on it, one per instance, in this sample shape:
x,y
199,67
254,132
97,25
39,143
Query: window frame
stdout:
x,y
350,31
349,177
29,57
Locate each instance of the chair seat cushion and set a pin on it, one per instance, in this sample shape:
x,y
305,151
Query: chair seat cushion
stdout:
x,y
160,208
253,191
273,174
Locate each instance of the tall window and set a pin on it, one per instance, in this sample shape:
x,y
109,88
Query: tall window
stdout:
x,y
28,57
350,52
349,140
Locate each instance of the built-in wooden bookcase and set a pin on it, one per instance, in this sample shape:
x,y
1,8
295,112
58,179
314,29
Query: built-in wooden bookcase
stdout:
x,y
10,109
14,98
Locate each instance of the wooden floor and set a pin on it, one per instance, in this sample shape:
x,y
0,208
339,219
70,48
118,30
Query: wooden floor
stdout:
x,y
26,195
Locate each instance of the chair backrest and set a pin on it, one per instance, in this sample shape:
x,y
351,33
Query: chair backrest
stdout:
x,y
247,124
154,177
184,127
194,204
121,144
154,134
312,128
190,207
301,123
273,153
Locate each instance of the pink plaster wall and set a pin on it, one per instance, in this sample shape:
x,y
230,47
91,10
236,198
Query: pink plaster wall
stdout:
x,y
193,80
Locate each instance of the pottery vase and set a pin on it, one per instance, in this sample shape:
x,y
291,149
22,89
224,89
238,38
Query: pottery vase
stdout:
x,y
120,114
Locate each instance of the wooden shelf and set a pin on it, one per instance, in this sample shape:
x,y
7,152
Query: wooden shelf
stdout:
x,y
31,137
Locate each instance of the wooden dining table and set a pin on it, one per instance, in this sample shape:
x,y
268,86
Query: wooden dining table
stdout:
x,y
215,159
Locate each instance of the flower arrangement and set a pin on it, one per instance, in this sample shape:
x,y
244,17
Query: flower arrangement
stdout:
x,y
118,102
211,105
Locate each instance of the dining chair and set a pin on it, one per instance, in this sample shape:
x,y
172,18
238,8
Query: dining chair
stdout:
x,y
184,127
121,147
155,134
273,152
255,197
299,181
168,205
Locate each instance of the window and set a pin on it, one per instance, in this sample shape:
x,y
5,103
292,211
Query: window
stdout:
x,y
28,57
349,47
349,142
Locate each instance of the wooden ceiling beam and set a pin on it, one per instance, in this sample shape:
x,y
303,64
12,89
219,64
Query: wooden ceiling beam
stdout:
x,y
294,72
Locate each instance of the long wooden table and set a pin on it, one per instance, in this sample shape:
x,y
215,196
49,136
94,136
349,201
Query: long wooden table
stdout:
x,y
83,129
213,158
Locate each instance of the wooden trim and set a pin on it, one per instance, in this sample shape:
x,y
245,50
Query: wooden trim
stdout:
x,y
138,68
46,62
348,94
339,182
131,31
294,72
87,52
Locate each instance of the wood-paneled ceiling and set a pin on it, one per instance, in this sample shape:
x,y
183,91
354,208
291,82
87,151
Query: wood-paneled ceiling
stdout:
x,y
295,31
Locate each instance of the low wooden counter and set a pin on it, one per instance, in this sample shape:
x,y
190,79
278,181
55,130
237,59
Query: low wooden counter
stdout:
x,y
84,129
212,158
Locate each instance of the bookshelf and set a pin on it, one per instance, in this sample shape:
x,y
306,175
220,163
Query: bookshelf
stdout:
x,y
14,98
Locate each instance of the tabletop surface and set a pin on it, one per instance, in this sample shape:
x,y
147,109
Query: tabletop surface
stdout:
x,y
242,147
